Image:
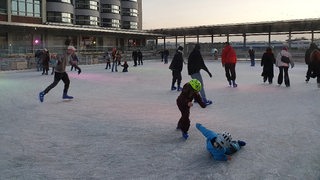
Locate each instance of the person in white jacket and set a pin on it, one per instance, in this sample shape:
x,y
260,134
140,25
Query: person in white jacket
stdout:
x,y
284,66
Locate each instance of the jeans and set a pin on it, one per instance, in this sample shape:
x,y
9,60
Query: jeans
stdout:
x,y
283,69
199,78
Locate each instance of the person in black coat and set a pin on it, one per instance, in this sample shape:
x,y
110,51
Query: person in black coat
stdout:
x,y
134,57
195,64
176,68
312,47
267,62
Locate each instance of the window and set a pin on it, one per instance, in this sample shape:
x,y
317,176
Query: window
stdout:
x,y
87,20
29,8
60,17
129,12
129,25
87,4
63,1
113,23
110,8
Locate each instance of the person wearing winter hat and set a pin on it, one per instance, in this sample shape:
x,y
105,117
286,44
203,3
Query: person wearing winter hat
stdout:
x,y
176,68
284,66
73,59
189,92
195,64
220,146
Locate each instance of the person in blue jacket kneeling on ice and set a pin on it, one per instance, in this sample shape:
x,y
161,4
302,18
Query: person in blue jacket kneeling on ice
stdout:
x,y
220,146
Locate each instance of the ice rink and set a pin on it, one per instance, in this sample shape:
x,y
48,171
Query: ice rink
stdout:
x,y
122,126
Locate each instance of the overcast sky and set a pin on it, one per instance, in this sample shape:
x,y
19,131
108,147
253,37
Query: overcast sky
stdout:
x,y
181,13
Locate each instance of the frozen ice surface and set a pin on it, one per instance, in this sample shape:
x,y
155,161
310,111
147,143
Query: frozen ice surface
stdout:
x,y
122,126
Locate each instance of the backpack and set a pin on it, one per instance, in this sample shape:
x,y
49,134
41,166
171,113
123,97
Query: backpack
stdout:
x,y
285,59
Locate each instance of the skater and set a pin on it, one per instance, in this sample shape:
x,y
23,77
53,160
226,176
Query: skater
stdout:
x,y
108,60
251,53
312,47
165,56
125,66
190,91
60,74
284,66
267,62
229,60
73,59
176,68
134,57
140,56
45,58
53,62
37,56
195,64
114,60
220,146
315,65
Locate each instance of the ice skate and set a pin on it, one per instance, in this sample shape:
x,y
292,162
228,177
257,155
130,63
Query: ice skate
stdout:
x,y
185,135
41,96
66,96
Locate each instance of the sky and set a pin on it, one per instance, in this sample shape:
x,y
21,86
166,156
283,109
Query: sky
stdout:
x,y
185,13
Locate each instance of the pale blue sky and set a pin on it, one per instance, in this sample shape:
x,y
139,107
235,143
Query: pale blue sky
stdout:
x,y
182,13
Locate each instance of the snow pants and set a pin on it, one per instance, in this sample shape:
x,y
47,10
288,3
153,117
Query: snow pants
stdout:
x,y
184,121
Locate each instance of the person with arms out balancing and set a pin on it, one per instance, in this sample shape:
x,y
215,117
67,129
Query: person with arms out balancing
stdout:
x,y
195,64
189,92
220,146
60,74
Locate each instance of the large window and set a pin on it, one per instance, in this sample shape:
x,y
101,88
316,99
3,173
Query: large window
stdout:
x,y
29,8
110,8
87,20
129,25
60,17
129,12
87,4
63,1
113,23
130,0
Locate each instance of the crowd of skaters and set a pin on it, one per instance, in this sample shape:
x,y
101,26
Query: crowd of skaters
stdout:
x,y
220,145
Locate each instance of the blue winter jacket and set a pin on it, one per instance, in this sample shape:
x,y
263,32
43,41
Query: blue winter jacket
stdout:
x,y
217,153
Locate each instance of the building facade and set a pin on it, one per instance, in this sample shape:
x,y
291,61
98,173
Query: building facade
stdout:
x,y
26,25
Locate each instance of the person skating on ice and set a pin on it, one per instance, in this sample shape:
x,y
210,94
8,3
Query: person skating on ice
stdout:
x,y
229,60
195,64
220,146
176,68
190,92
60,74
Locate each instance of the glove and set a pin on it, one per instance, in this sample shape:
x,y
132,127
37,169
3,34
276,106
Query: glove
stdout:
x,y
292,65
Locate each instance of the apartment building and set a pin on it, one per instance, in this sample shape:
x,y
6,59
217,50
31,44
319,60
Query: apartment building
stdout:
x,y
26,25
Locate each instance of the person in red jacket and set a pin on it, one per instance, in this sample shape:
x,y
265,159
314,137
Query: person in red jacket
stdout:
x,y
229,60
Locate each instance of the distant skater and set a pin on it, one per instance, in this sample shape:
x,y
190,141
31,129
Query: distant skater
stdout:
x,y
309,74
125,66
267,62
229,60
60,74
190,92
220,146
284,66
176,68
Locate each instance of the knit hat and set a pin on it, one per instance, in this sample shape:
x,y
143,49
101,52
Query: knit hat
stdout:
x,y
72,48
